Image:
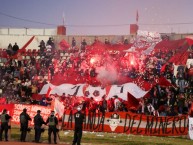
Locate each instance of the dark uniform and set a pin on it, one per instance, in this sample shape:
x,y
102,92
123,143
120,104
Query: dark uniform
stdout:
x,y
24,118
38,121
52,122
4,124
79,118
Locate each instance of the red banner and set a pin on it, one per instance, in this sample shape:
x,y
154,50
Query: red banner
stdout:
x,y
9,108
130,123
117,122
14,110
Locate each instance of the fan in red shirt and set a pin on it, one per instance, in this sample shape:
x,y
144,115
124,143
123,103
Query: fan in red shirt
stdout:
x,y
92,105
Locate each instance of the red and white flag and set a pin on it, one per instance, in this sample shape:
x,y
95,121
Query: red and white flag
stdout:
x,y
189,39
59,107
48,92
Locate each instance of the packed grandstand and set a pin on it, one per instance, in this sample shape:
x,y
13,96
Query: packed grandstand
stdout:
x,y
161,70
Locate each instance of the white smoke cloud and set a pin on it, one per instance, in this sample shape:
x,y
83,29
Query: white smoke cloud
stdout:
x,y
107,73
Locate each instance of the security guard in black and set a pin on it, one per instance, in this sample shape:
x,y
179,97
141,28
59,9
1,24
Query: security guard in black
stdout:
x,y
52,122
38,122
24,118
79,118
4,124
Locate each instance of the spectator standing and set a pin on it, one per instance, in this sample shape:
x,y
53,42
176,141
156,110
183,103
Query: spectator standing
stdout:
x,y
181,80
151,110
92,106
27,88
38,122
9,49
79,118
73,42
43,101
19,59
4,124
181,103
24,119
103,105
83,45
110,104
42,47
51,43
15,48
107,41
117,103
125,41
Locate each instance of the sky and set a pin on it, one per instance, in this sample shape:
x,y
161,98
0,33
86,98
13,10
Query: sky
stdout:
x,y
99,17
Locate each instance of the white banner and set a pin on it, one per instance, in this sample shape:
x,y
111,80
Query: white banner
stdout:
x,y
80,90
191,128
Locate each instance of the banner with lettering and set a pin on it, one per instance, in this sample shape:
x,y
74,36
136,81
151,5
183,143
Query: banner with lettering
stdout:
x,y
129,123
117,122
14,110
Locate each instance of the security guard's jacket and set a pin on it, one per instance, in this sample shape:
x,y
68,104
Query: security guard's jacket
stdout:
x,y
24,118
5,118
79,118
38,121
52,121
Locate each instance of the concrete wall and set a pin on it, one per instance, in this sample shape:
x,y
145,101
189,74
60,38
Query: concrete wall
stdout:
x,y
21,36
28,31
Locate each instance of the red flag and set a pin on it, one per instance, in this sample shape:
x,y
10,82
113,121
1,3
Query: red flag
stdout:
x,y
189,39
137,17
37,97
23,49
48,92
64,45
163,68
164,82
132,101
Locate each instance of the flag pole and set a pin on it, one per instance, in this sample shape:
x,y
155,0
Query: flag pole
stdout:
x,y
63,18
137,17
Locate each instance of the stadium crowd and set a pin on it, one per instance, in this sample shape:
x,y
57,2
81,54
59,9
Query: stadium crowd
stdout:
x,y
24,77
